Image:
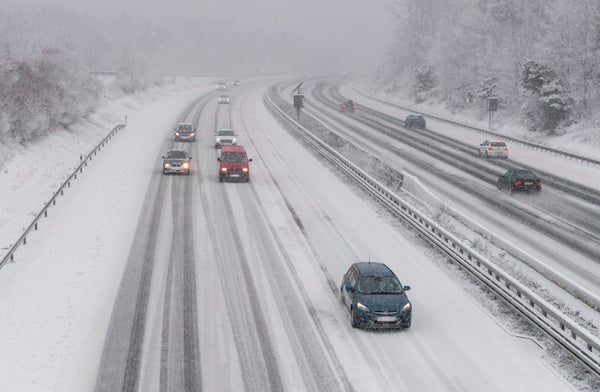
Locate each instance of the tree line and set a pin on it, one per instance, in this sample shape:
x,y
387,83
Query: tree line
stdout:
x,y
538,57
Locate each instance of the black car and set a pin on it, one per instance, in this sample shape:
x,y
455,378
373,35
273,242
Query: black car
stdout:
x,y
185,132
520,180
348,106
177,161
375,297
414,121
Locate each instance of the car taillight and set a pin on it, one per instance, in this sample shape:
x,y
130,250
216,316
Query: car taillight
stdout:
x,y
490,148
518,183
538,184
343,106
505,148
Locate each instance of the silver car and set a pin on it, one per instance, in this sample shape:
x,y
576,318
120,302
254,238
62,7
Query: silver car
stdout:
x,y
225,136
489,149
177,161
223,99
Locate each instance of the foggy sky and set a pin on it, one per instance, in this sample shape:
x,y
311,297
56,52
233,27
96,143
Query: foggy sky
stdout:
x,y
359,29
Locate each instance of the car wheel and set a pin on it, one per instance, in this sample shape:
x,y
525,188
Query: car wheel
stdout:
x,y
220,179
341,297
486,155
353,319
499,186
511,190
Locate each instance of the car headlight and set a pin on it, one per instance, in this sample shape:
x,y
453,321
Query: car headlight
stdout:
x,y
233,140
224,169
362,307
176,133
218,140
245,170
167,165
185,165
193,134
406,308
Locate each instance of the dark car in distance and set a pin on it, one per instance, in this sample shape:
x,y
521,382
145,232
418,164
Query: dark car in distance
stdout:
x,y
414,121
375,298
177,161
185,132
520,180
348,106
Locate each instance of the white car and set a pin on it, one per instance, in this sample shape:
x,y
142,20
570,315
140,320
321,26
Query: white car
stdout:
x,y
489,149
221,86
225,136
223,99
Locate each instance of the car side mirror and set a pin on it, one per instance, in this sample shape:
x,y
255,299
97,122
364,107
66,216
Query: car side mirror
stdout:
x,y
163,157
250,160
349,287
406,288
218,159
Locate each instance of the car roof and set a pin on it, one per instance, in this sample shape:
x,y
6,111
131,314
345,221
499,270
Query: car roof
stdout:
x,y
233,148
373,269
415,115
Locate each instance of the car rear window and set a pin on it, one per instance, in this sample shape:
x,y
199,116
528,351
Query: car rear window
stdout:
x,y
525,175
498,144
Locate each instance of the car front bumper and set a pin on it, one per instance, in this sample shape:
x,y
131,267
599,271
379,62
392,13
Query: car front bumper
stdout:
x,y
371,320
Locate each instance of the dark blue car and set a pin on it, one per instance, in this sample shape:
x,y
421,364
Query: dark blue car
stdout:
x,y
414,121
375,297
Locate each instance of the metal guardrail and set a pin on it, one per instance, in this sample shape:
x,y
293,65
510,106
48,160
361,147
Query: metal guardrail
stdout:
x,y
574,338
22,240
497,135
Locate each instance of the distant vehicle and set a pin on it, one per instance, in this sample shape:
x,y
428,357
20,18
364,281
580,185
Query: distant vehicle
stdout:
x,y
520,180
223,98
233,164
414,121
225,137
221,86
236,83
177,161
185,132
489,149
375,297
348,106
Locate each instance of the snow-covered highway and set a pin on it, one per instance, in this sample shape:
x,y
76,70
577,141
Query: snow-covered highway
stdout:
x,y
140,281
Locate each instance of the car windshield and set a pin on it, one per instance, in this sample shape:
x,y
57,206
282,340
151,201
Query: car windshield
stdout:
x,y
177,155
185,127
525,175
379,285
225,132
222,96
233,157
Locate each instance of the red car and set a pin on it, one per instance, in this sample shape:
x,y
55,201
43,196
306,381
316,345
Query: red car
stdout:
x,y
234,164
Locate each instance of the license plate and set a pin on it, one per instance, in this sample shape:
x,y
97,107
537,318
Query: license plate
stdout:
x,y
386,319
528,183
235,175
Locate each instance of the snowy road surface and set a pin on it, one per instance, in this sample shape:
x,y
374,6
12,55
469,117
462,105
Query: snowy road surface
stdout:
x,y
140,281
